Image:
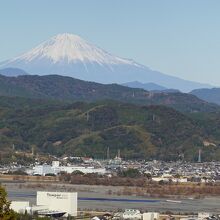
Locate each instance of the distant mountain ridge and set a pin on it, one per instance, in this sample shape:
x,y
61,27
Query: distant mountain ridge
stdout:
x,y
12,72
209,95
70,55
69,89
147,86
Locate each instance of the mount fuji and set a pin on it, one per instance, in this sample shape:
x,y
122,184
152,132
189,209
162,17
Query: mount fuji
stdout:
x,y
70,55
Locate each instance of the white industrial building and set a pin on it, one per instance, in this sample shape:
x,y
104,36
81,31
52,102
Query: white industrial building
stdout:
x,y
167,179
204,215
49,203
42,170
132,214
151,216
20,206
56,168
58,201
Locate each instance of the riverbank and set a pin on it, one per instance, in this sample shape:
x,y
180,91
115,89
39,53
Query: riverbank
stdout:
x,y
92,198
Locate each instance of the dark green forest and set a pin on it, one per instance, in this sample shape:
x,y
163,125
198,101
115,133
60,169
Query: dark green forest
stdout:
x,y
88,129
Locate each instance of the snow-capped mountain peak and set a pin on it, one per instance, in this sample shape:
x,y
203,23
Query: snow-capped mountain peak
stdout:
x,y
71,48
71,55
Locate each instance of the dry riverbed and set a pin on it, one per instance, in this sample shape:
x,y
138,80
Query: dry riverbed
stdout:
x,y
117,199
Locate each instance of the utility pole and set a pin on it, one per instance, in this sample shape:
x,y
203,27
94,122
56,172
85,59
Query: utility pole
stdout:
x,y
119,153
108,154
199,157
153,117
87,116
32,151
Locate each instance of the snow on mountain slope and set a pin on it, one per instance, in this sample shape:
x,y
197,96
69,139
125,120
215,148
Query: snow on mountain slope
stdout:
x,y
71,48
70,55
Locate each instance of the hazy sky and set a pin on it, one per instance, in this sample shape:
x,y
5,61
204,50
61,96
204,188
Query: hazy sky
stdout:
x,y
180,38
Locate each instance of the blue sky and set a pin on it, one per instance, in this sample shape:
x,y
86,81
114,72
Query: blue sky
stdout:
x,y
180,38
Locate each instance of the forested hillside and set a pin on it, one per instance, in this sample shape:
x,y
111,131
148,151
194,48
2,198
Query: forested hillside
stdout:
x,y
88,129
66,88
